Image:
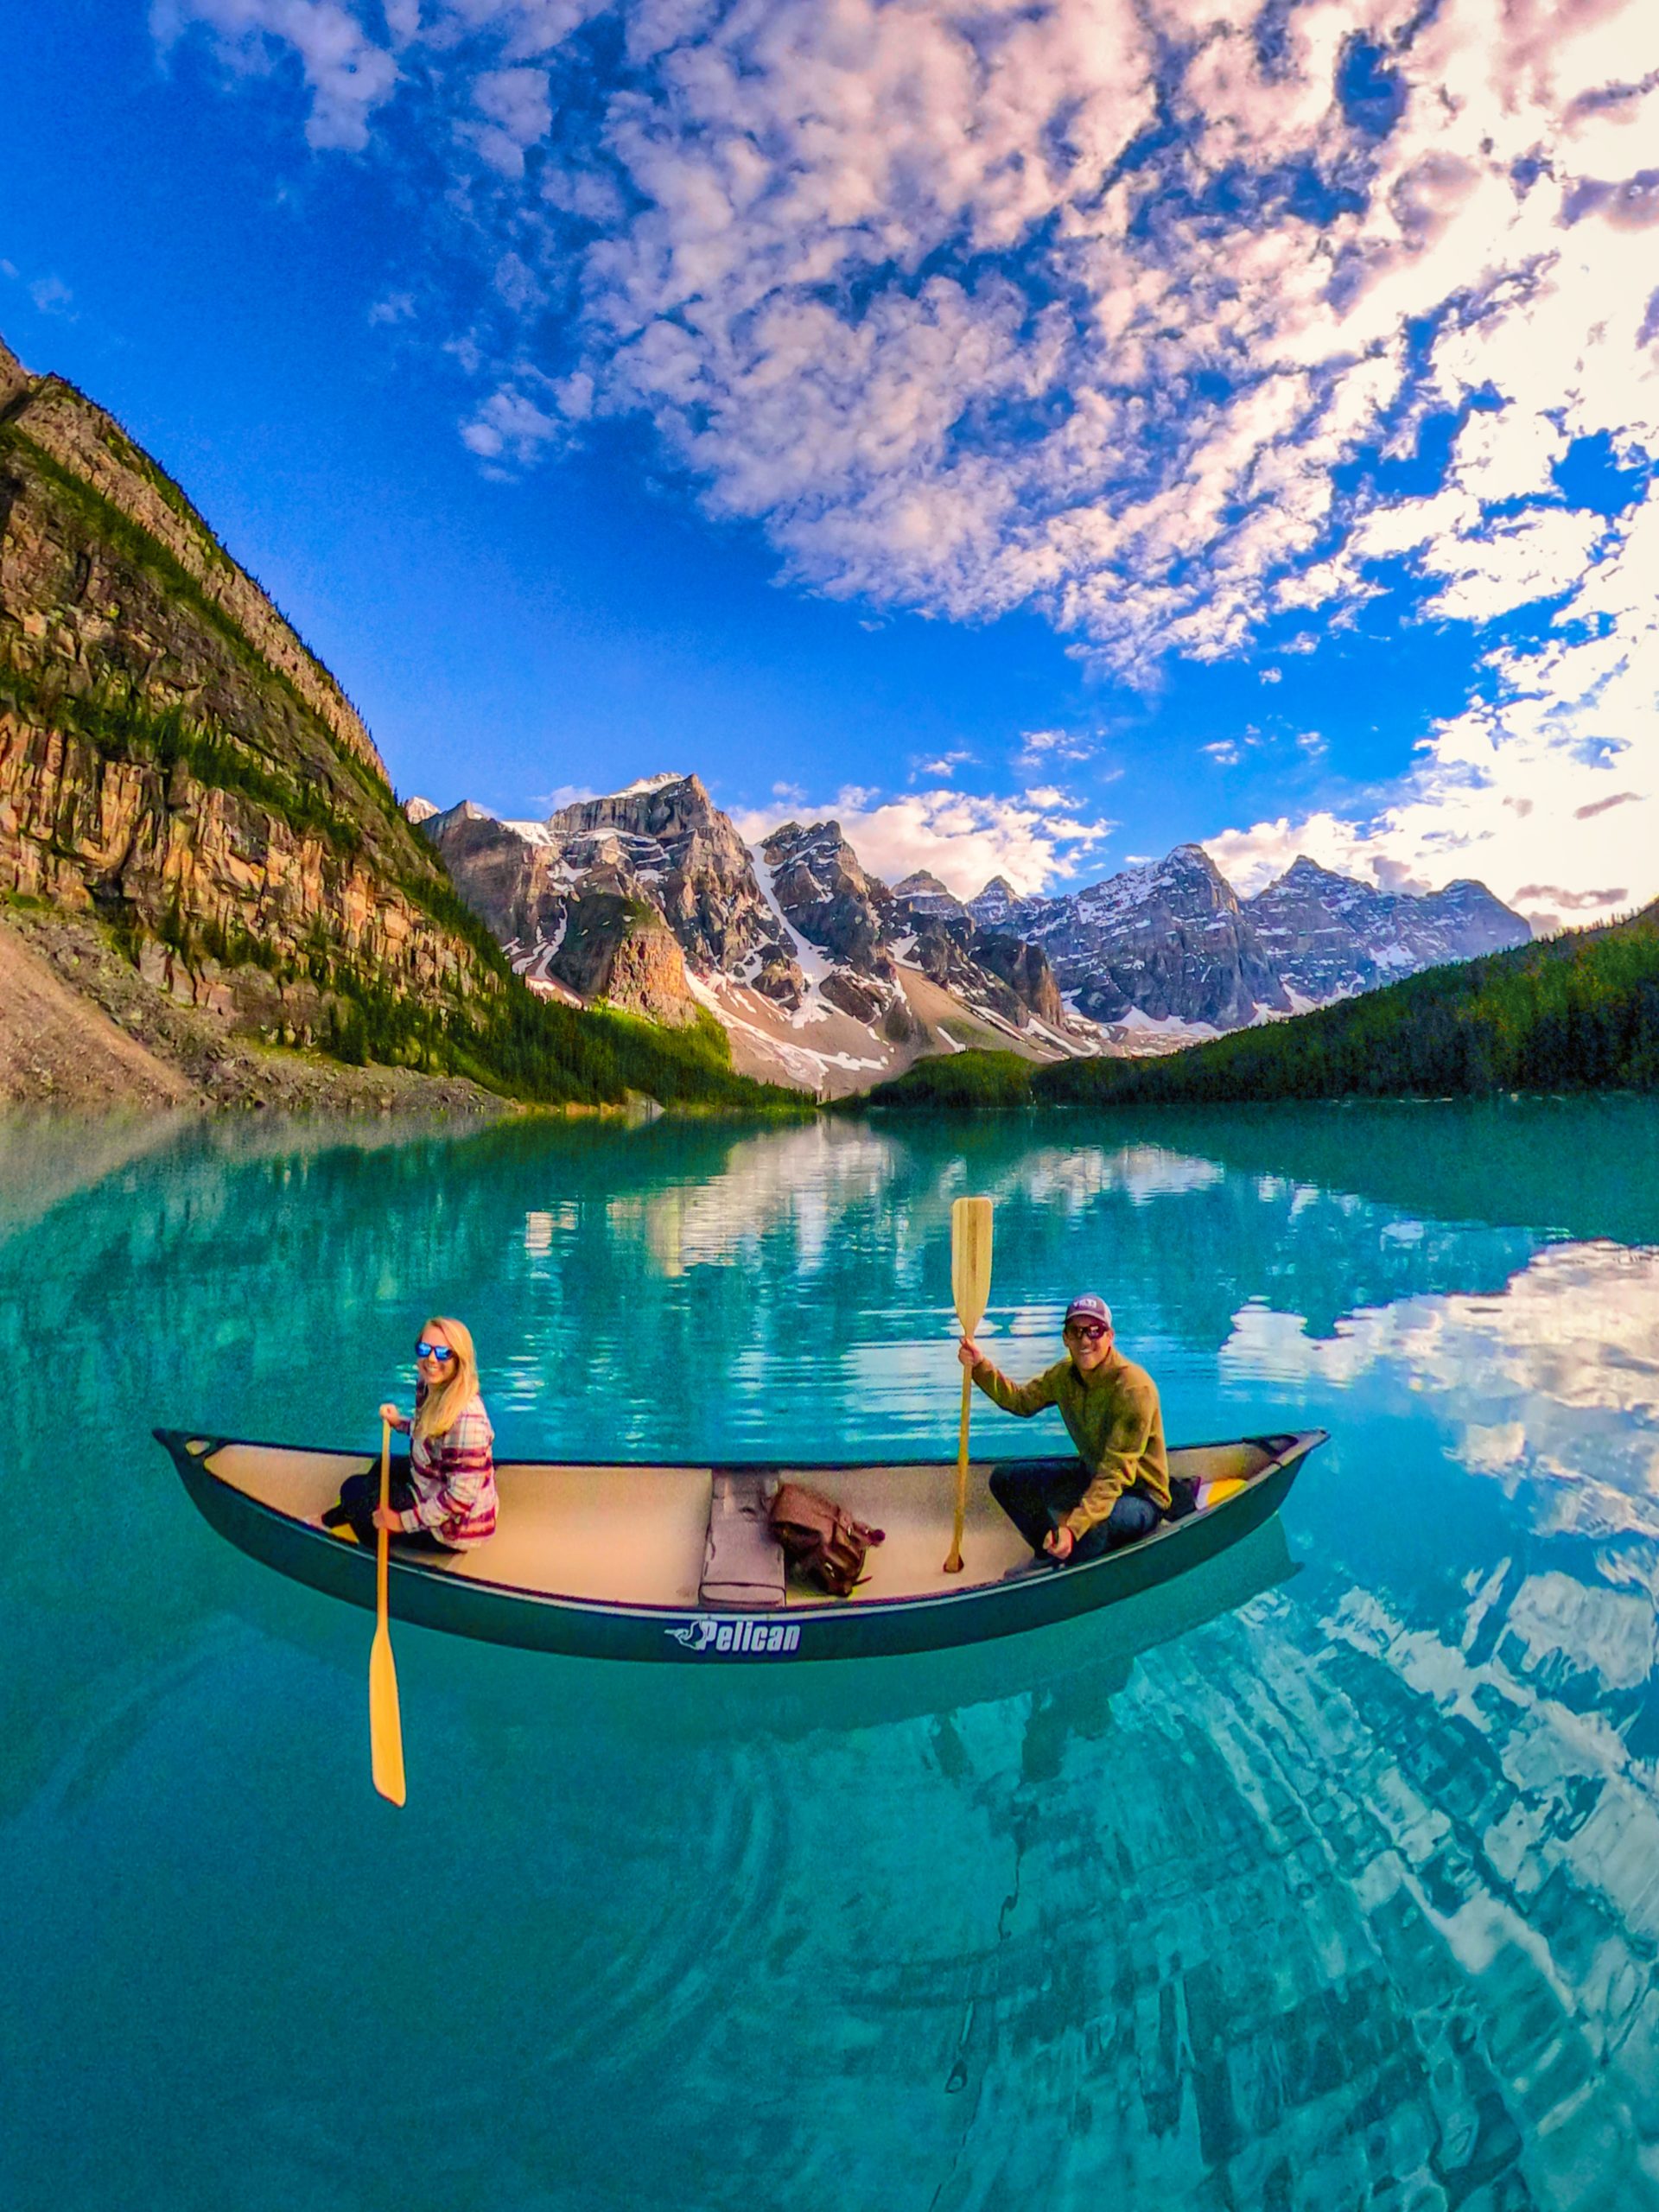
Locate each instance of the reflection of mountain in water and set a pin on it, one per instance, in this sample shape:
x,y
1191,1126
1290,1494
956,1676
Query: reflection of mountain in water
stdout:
x,y
1343,1900
1321,1907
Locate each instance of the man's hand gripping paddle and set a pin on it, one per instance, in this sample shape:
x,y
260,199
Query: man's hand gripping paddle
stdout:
x,y
970,1286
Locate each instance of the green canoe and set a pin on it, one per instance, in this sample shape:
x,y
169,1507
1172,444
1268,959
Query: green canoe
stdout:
x,y
677,1562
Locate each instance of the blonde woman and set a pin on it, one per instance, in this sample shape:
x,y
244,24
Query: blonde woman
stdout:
x,y
442,1498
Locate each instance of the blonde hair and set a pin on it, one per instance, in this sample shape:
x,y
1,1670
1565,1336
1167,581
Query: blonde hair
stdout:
x,y
445,1404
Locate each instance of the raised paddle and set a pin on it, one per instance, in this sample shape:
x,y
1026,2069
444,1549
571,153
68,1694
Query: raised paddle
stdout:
x,y
385,1728
970,1286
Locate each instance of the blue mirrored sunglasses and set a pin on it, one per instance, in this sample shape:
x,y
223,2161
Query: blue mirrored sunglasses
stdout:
x,y
440,1352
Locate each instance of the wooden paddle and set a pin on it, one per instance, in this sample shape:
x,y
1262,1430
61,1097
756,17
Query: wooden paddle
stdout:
x,y
970,1286
385,1728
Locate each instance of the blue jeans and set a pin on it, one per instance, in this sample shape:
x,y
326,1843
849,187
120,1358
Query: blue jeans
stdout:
x,y
1038,1494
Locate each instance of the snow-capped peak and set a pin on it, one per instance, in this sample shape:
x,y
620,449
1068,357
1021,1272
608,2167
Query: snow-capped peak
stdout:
x,y
650,782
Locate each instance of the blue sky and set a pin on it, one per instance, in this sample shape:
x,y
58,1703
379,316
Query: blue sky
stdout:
x,y
1038,435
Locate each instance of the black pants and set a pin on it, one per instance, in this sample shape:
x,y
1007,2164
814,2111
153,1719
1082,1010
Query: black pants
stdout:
x,y
359,1497
1038,1494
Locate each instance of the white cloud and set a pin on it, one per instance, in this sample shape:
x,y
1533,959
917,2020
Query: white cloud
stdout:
x,y
514,112
1043,750
52,295
564,795
348,73
511,426
945,765
963,839
740,220
1554,782
879,279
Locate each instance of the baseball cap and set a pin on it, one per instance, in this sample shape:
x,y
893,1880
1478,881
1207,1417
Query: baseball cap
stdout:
x,y
1089,1307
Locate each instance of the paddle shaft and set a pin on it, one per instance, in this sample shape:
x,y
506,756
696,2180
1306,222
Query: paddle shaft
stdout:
x,y
382,1541
386,1725
953,1564
970,1286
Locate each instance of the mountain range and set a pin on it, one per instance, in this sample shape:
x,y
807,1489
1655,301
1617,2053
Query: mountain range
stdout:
x,y
827,977
201,858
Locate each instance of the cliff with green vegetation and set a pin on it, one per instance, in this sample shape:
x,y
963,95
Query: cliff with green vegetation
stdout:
x,y
179,770
1577,1012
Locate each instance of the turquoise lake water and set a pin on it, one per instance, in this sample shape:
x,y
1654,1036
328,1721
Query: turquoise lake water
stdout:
x,y
1330,1880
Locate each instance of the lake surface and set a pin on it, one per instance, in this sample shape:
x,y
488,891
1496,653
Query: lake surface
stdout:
x,y
1330,1882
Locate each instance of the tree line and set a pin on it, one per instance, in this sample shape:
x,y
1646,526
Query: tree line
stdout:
x,y
1579,1012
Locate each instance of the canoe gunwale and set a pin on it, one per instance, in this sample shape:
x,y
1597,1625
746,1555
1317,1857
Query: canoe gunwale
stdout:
x,y
514,1614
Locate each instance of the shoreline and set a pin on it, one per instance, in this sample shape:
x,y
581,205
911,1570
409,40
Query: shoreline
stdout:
x,y
84,1033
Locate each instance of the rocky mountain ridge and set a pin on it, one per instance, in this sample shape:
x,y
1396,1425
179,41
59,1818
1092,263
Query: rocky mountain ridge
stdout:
x,y
1163,945
1331,936
649,897
1166,951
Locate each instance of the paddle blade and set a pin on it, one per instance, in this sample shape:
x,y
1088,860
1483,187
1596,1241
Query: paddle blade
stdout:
x,y
386,1726
970,1260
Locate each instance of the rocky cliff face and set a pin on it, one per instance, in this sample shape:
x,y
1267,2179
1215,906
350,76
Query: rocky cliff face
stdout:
x,y
612,898
173,759
840,920
1025,968
926,900
1330,937
825,895
686,855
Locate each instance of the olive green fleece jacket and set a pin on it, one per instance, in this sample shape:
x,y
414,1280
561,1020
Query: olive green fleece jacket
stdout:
x,y
1115,1421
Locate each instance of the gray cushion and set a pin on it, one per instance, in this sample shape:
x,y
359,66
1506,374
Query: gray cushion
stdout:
x,y
743,1562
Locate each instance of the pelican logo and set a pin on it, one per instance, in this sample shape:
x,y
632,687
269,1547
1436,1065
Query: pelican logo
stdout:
x,y
752,1637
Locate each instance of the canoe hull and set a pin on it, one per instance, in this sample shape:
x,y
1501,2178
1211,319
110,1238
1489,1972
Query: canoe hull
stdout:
x,y
429,1597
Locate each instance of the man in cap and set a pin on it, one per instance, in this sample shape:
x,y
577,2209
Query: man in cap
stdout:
x,y
1117,1487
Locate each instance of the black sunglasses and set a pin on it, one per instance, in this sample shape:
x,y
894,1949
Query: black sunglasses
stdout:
x,y
440,1352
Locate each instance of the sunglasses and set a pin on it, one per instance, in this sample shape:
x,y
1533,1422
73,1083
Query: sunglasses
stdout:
x,y
1094,1330
440,1352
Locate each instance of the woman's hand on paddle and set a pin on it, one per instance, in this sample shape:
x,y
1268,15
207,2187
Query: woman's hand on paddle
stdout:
x,y
386,1519
1059,1543
968,1353
389,1412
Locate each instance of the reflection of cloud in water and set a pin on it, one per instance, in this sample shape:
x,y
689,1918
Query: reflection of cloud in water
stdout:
x,y
1609,1632
1075,1175
806,1177
1555,1382
1499,1849
814,1183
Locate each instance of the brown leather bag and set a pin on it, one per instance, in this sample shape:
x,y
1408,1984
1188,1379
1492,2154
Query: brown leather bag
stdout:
x,y
823,1545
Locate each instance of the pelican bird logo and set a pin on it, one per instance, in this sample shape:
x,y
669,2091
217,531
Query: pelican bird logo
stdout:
x,y
698,1635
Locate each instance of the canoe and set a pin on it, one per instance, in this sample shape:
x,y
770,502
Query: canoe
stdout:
x,y
675,1563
